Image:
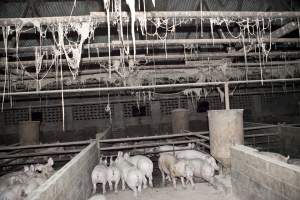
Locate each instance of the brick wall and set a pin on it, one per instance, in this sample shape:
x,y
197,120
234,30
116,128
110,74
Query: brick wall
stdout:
x,y
71,182
259,177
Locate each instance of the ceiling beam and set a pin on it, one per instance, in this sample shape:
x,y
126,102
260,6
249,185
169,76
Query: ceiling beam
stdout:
x,y
147,87
100,17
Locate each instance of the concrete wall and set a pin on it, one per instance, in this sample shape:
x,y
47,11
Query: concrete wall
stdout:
x,y
71,182
259,177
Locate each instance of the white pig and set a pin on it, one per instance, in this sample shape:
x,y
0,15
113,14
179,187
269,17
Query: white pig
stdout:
x,y
193,154
144,164
99,175
173,167
129,174
14,192
113,175
203,169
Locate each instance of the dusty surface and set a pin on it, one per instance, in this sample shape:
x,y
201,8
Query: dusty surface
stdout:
x,y
202,191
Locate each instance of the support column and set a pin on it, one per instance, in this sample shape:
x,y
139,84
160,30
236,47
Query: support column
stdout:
x,y
225,130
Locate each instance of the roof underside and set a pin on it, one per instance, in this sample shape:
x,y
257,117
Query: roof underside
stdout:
x,y
174,47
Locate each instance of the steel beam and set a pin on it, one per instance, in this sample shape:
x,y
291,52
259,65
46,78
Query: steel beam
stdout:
x,y
100,17
147,87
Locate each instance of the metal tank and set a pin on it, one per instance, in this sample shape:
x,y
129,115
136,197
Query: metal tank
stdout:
x,y
225,129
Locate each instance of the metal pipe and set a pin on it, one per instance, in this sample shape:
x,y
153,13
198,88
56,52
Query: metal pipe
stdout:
x,y
100,17
39,146
40,154
147,145
261,135
170,42
147,87
97,60
156,137
260,127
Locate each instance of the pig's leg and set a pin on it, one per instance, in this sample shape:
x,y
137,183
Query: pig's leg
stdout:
x,y
192,182
174,182
150,180
163,177
110,185
144,182
123,184
140,187
116,185
182,182
103,187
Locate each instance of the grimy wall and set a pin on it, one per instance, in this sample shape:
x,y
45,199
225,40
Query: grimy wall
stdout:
x,y
255,176
85,116
71,182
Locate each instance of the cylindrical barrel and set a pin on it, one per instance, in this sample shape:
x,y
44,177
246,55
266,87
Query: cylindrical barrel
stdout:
x,y
180,120
29,132
225,129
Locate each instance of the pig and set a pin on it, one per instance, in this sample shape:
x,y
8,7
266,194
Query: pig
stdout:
x,y
144,164
203,169
129,174
113,175
169,149
193,154
15,192
173,167
18,177
276,156
97,197
99,175
45,169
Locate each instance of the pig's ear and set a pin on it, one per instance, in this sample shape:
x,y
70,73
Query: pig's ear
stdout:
x,y
50,162
26,168
32,168
120,154
126,155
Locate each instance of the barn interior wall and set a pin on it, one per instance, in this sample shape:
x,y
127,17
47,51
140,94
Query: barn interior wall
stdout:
x,y
83,120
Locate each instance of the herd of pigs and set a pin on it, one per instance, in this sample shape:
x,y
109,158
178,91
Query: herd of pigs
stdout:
x,y
183,162
136,171
18,185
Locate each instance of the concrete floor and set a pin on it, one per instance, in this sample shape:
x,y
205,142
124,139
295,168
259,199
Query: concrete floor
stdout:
x,y
202,191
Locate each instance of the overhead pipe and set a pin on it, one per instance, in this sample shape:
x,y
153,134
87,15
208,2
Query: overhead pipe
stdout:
x,y
146,87
100,17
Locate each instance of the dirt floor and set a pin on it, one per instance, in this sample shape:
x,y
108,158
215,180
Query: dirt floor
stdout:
x,y
202,191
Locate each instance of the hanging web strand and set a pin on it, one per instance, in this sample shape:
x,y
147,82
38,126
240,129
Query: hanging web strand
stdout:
x,y
62,94
106,6
131,5
5,32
